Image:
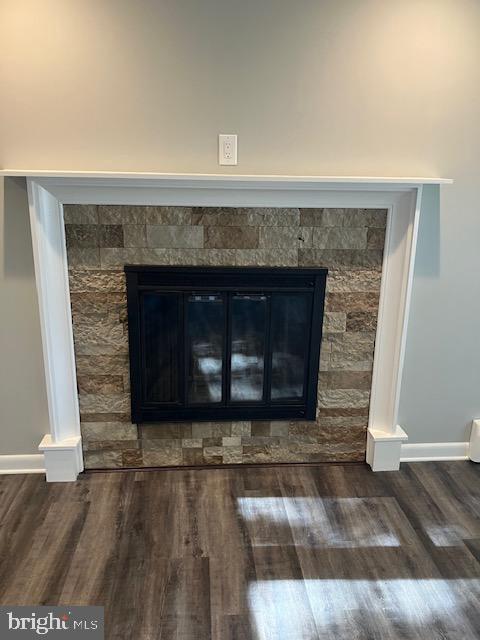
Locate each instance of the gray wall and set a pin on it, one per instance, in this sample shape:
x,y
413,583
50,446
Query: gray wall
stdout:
x,y
311,87
23,404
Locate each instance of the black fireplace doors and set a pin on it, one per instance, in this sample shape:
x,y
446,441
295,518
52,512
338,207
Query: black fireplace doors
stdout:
x,y
224,343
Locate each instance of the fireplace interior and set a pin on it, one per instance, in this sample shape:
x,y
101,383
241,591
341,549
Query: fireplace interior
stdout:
x,y
224,343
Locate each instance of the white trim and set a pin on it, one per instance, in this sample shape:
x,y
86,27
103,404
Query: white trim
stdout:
x,y
63,459
383,448
431,451
401,196
219,177
30,463
51,275
474,444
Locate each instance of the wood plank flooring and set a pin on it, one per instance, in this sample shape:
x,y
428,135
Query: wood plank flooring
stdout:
x,y
287,553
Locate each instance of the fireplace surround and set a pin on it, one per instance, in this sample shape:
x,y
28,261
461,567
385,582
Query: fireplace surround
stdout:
x,y
49,191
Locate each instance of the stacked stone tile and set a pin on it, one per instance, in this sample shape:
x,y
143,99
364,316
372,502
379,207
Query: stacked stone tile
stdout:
x,y
102,239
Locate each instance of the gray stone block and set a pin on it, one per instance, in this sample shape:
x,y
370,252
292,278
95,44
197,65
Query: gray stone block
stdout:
x,y
331,239
121,214
111,235
83,257
134,235
334,322
169,215
273,217
82,236
93,431
80,213
220,216
166,236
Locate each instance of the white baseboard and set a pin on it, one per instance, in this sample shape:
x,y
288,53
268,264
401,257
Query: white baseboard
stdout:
x,y
33,463
431,451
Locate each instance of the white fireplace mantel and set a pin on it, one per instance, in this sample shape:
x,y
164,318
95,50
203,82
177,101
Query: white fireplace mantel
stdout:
x,y
49,190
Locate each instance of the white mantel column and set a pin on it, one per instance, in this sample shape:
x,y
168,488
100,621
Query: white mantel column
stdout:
x,y
385,436
62,447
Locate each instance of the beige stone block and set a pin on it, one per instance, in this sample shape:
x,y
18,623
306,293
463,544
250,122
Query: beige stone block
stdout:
x,y
267,257
352,281
231,237
232,455
343,398
334,322
163,457
361,321
279,428
109,445
211,429
231,441
352,351
285,237
166,236
192,443
105,403
102,365
132,458
241,428
341,258
160,443
216,257
100,384
168,430
102,459
345,380
100,339
114,257
89,280
97,303
347,302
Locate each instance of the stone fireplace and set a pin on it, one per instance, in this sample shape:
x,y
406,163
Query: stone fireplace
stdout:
x,y
101,240
285,221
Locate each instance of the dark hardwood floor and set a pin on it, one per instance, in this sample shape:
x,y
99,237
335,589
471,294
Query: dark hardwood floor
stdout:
x,y
288,553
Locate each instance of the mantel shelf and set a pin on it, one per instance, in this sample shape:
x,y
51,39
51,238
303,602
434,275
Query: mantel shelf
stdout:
x,y
291,180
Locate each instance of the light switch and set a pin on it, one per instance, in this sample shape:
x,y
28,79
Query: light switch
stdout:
x,y
227,148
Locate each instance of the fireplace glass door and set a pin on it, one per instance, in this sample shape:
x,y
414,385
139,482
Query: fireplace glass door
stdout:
x,y
224,344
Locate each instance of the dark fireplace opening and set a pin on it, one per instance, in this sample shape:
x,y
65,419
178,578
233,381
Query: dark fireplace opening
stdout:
x,y
224,343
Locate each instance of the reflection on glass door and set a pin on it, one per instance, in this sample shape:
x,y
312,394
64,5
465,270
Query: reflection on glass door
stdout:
x,y
205,347
160,312
247,361
290,334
